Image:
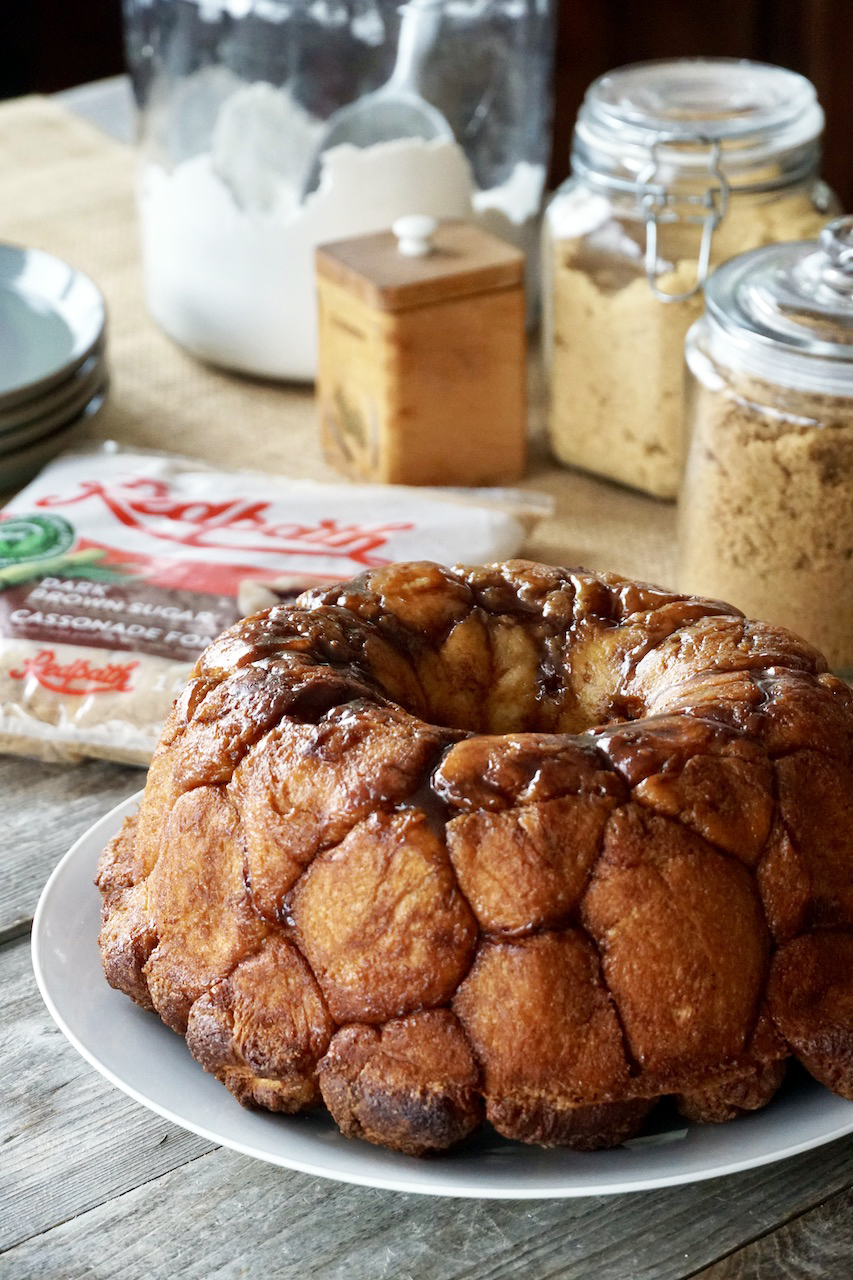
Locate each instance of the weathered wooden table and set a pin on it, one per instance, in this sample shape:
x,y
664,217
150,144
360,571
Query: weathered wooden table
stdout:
x,y
92,1184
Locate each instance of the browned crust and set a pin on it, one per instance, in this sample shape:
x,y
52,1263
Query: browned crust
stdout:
x,y
412,1085
810,995
512,839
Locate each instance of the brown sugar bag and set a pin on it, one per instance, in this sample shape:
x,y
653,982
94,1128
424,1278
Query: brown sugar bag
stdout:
x,y
117,569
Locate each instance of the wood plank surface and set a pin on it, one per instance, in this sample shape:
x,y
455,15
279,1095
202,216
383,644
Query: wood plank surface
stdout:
x,y
92,1184
815,1246
44,808
68,1138
240,1216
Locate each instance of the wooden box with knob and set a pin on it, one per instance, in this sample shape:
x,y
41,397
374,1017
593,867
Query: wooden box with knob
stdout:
x,y
421,376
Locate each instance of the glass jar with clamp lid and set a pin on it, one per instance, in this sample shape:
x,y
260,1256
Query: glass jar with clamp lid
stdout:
x,y
676,167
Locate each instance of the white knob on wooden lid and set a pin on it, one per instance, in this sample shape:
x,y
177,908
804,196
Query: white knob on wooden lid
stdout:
x,y
414,234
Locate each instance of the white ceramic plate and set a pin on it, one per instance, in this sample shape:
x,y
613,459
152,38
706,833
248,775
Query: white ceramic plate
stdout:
x,y
18,466
135,1051
57,404
51,318
78,395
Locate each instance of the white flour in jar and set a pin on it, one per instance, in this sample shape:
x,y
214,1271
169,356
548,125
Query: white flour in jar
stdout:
x,y
228,247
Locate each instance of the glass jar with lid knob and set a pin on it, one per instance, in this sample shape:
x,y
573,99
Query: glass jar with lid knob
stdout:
x,y
676,166
766,506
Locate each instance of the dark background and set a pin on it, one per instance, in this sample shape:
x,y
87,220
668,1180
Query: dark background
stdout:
x,y
47,45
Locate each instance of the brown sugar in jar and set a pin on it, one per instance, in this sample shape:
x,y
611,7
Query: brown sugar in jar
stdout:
x,y
766,505
677,166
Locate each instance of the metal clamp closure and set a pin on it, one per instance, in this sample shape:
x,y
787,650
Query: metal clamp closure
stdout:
x,y
659,206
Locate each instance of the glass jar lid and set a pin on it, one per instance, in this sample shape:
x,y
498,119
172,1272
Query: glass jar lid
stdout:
x,y
764,121
681,134
785,312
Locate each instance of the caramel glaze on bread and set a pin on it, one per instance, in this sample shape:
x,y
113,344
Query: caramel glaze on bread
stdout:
x,y
510,841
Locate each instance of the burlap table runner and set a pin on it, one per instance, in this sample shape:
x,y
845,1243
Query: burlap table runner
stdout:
x,y
67,188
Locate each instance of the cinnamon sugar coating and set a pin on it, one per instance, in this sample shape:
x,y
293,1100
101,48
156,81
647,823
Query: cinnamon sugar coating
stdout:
x,y
512,841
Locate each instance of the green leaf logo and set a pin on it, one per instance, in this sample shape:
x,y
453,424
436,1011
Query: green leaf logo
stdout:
x,y
28,539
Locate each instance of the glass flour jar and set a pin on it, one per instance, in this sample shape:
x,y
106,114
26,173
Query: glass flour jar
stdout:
x,y
766,507
245,168
676,166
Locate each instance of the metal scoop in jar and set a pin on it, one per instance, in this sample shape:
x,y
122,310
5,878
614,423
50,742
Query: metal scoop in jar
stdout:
x,y
396,110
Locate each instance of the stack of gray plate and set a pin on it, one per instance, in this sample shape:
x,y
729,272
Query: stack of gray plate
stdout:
x,y
53,369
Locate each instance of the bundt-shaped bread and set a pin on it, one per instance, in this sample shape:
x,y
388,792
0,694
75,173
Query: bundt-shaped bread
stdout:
x,y
511,841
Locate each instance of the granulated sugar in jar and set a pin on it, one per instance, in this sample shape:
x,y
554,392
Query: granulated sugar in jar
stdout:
x,y
268,127
676,167
766,506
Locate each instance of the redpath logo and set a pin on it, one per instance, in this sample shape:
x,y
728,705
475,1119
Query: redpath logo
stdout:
x,y
78,677
238,524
